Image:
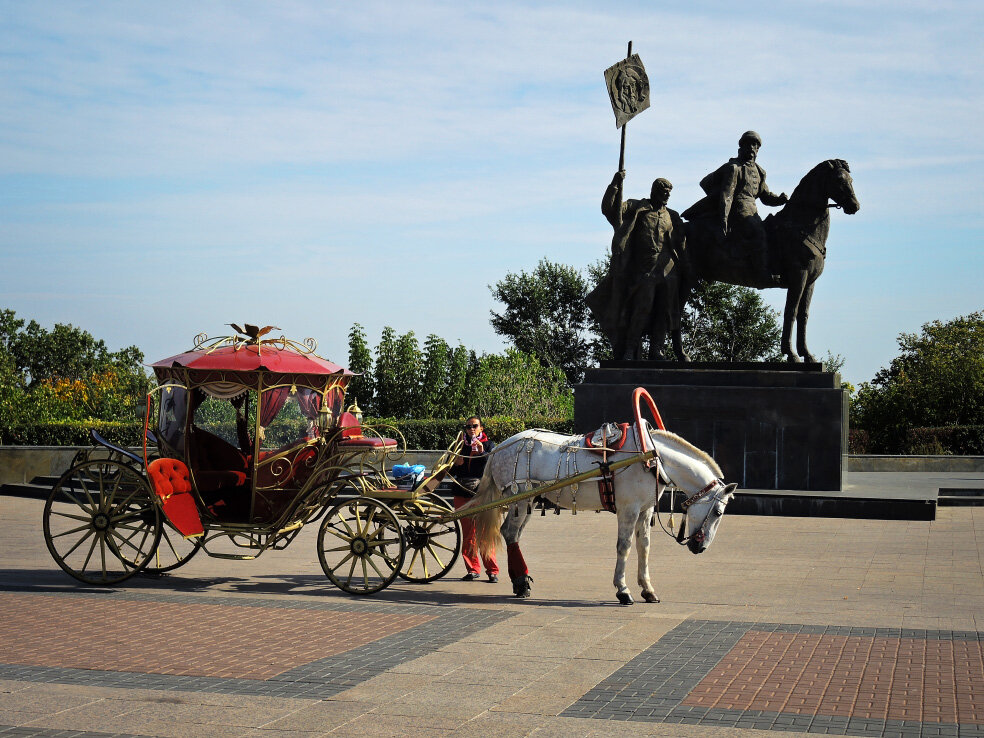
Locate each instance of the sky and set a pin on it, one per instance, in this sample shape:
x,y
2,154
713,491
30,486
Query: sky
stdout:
x,y
169,168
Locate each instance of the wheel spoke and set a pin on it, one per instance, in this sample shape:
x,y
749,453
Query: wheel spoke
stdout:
x,y
82,518
339,534
373,565
339,564
79,543
432,542
436,557
351,570
365,574
416,553
92,548
70,532
92,503
339,548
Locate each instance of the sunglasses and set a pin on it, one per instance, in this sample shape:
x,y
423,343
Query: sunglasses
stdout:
x,y
476,425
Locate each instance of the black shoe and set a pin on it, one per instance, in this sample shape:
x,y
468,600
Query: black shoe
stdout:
x,y
470,576
493,578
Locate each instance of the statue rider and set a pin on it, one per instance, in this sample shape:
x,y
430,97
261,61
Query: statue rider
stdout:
x,y
640,295
730,204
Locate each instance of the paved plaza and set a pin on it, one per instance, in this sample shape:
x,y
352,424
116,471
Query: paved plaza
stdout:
x,y
784,627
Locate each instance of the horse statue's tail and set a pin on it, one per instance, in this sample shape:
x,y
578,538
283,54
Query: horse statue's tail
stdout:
x,y
487,524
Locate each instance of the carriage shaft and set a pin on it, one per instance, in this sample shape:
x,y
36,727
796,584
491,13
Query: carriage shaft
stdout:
x,y
542,489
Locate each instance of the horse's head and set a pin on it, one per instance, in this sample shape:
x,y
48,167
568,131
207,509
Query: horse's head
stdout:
x,y
704,512
828,180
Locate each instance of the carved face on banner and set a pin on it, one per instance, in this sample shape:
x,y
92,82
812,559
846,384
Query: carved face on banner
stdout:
x,y
628,88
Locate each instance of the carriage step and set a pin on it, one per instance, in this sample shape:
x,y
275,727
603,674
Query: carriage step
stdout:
x,y
960,497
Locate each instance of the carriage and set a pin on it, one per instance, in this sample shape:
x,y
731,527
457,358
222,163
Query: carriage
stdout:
x,y
250,441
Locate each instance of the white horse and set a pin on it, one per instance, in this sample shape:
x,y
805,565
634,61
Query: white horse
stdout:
x,y
537,457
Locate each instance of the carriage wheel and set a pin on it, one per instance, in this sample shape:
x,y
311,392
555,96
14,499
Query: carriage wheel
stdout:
x,y
101,523
432,547
174,550
360,545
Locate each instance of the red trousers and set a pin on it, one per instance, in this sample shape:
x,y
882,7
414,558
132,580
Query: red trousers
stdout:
x,y
469,549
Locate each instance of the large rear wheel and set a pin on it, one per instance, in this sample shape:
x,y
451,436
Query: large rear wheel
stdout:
x,y
101,524
360,546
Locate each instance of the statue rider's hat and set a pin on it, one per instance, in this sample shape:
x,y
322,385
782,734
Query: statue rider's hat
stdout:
x,y
751,137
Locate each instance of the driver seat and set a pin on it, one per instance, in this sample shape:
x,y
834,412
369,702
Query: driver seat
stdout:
x,y
171,481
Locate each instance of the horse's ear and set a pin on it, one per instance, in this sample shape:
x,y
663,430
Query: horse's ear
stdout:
x,y
729,491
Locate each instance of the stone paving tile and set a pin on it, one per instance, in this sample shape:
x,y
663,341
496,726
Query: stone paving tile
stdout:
x,y
338,661
854,680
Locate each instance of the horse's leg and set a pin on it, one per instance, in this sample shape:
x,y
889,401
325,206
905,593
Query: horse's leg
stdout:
x,y
512,529
626,526
642,553
795,285
801,317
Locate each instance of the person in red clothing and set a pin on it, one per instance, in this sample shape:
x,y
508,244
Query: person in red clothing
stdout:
x,y
467,473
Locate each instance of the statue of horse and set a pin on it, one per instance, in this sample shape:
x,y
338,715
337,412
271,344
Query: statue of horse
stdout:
x,y
536,457
797,237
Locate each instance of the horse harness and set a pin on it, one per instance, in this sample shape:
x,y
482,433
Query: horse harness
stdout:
x,y
606,484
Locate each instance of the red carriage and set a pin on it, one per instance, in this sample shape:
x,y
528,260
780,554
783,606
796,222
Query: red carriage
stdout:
x,y
250,442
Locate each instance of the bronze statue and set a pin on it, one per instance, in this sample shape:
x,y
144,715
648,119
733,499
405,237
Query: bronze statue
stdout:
x,y
795,237
640,295
730,208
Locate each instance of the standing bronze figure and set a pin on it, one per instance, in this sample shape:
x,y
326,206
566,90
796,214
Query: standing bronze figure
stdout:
x,y
640,295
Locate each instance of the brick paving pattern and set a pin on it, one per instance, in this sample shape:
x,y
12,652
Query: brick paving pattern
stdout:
x,y
181,638
218,644
817,679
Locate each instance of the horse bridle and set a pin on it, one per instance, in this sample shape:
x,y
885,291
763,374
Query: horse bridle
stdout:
x,y
680,536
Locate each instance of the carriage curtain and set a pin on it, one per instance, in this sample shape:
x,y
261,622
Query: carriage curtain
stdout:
x,y
309,401
271,402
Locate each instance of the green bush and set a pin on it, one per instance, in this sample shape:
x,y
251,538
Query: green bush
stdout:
x,y
72,433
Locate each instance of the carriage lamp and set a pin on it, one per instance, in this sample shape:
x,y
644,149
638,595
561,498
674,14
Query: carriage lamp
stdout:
x,y
356,410
324,415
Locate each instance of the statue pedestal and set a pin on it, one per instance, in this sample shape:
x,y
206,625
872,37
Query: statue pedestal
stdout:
x,y
769,426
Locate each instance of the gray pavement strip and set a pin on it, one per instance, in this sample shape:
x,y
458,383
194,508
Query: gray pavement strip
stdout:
x,y
315,680
652,686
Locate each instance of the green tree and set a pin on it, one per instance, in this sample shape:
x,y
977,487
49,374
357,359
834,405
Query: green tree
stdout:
x,y
545,316
936,380
66,374
435,377
360,361
518,385
384,374
407,400
723,322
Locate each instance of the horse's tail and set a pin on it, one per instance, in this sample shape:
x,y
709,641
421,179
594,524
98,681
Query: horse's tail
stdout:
x,y
487,523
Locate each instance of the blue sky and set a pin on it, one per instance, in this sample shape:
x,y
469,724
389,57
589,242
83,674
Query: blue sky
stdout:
x,y
167,168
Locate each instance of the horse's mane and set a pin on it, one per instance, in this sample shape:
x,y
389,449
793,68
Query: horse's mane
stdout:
x,y
686,445
806,185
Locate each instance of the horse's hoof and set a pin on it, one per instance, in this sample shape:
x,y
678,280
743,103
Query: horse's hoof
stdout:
x,y
521,586
650,597
624,598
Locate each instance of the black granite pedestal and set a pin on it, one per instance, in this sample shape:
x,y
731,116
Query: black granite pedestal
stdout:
x,y
769,426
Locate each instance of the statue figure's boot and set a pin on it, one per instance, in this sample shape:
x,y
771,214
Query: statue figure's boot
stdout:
x,y
678,346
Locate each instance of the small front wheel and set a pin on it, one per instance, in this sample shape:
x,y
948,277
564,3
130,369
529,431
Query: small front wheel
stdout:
x,y
432,547
360,545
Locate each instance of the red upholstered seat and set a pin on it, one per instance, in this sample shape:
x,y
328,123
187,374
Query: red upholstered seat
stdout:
x,y
172,483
